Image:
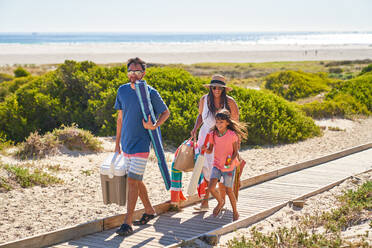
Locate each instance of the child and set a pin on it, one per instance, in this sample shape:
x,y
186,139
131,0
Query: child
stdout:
x,y
224,139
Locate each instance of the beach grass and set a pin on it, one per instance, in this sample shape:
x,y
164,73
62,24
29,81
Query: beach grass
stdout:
x,y
27,178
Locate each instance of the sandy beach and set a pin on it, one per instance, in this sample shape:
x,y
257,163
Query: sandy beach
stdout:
x,y
178,53
32,211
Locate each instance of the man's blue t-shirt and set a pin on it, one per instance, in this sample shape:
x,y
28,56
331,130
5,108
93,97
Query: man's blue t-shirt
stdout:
x,y
134,137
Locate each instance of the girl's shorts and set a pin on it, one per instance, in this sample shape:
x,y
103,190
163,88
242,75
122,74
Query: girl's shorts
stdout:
x,y
228,177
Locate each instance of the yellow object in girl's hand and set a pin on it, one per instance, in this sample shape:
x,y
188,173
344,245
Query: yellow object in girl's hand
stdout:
x,y
228,162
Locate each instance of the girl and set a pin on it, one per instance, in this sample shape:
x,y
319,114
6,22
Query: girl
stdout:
x,y
224,141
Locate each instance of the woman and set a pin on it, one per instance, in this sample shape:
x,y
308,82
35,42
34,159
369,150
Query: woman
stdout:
x,y
209,105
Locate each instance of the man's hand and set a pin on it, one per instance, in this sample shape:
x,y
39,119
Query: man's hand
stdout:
x,y
148,124
117,149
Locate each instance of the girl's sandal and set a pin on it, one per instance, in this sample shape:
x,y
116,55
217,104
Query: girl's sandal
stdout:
x,y
217,210
125,230
144,219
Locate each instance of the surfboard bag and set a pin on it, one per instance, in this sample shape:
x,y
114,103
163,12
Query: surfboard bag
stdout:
x,y
143,95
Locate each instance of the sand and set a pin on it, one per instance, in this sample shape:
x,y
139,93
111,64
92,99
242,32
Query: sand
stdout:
x,y
32,211
178,53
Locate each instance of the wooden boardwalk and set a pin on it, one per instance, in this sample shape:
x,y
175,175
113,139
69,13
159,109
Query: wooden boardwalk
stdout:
x,y
255,203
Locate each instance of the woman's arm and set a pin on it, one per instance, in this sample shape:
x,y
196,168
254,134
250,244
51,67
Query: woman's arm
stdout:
x,y
234,109
199,119
209,149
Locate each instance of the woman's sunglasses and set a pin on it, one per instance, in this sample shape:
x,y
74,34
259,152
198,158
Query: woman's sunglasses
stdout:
x,y
217,88
137,73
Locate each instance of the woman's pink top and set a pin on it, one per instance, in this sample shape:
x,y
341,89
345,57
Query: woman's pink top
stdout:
x,y
223,147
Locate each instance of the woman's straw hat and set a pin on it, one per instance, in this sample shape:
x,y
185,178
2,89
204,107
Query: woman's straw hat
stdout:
x,y
218,80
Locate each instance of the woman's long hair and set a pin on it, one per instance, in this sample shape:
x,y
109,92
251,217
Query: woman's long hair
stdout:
x,y
238,127
211,106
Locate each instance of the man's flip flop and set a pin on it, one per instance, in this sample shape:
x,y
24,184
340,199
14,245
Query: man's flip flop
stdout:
x,y
144,219
125,230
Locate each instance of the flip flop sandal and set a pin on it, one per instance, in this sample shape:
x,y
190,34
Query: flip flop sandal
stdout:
x,y
125,230
144,219
201,209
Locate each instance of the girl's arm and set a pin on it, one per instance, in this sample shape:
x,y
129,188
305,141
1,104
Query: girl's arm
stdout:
x,y
235,151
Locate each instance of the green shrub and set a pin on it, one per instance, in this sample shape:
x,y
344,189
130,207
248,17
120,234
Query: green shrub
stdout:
x,y
360,88
5,77
272,119
84,93
293,85
343,105
37,146
21,72
4,142
335,70
366,69
77,139
4,184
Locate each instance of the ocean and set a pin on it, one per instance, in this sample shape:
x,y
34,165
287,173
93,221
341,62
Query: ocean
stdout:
x,y
251,38
44,48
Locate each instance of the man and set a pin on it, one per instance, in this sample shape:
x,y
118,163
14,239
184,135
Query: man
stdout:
x,y
134,139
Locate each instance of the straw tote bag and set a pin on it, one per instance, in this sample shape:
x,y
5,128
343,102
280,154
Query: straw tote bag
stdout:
x,y
185,158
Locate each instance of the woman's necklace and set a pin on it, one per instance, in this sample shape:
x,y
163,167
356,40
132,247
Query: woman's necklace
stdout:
x,y
221,134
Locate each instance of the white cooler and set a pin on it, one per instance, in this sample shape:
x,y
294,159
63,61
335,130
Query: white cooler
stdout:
x,y
114,180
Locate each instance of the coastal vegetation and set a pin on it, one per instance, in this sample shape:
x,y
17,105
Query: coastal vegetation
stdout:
x,y
84,93
37,146
25,177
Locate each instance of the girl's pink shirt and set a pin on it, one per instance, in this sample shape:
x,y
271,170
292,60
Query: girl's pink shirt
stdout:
x,y
223,147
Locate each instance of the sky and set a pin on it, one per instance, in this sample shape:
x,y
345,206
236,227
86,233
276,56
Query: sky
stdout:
x,y
184,15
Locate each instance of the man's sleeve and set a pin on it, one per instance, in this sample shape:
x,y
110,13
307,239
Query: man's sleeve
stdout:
x,y
157,102
118,105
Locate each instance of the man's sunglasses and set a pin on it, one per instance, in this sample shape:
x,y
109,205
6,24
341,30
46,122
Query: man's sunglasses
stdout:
x,y
138,73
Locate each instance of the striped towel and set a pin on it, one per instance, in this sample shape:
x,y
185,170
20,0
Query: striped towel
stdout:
x,y
147,109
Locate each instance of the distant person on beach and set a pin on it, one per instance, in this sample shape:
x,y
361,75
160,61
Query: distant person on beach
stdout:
x,y
209,105
224,142
133,140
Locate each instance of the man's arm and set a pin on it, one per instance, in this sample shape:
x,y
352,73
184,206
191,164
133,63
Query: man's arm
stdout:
x,y
119,124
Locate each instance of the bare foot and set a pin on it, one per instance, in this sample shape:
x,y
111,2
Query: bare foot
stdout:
x,y
218,208
235,216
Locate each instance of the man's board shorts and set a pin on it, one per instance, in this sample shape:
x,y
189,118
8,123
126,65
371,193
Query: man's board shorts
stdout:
x,y
136,164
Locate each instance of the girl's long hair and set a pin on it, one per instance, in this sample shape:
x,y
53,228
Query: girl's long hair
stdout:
x,y
238,127
212,108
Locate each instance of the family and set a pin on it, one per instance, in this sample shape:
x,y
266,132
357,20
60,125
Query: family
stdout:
x,y
218,121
